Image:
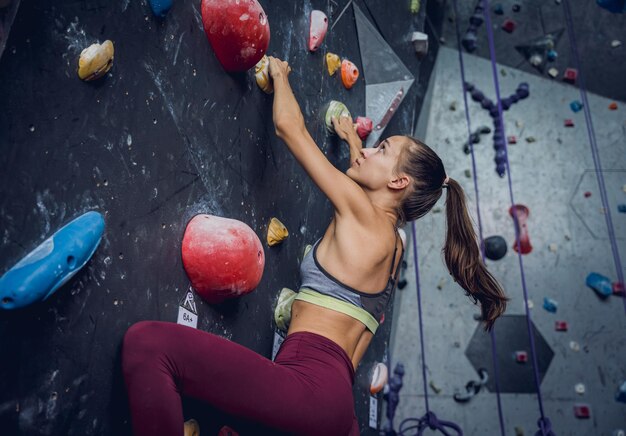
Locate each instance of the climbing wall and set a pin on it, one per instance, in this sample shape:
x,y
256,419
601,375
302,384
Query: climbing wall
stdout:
x,y
552,174
165,135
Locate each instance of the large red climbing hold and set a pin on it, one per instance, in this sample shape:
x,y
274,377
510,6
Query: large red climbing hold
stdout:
x,y
238,31
317,29
223,257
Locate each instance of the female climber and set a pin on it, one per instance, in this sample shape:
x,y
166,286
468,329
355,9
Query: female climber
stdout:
x,y
348,278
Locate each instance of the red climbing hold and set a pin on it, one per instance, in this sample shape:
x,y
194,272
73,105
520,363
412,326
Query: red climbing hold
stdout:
x,y
238,32
223,257
587,194
363,127
560,326
570,75
582,411
508,25
521,356
511,139
618,288
521,212
568,122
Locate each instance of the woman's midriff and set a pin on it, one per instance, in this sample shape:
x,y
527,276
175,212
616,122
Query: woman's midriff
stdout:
x,y
338,327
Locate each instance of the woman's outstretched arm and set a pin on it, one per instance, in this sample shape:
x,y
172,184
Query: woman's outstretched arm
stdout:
x,y
346,196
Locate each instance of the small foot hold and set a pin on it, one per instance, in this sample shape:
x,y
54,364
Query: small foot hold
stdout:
x,y
192,428
282,313
276,232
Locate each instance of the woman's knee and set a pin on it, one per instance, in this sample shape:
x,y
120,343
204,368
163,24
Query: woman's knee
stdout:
x,y
139,344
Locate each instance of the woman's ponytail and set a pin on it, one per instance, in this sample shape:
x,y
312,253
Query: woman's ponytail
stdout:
x,y
463,259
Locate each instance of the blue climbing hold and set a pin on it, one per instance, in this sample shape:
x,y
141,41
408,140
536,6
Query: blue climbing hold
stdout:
x,y
601,284
616,6
52,263
552,55
550,305
160,7
621,208
576,106
621,393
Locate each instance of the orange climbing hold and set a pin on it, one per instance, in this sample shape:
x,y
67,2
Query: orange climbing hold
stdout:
x,y
349,73
613,106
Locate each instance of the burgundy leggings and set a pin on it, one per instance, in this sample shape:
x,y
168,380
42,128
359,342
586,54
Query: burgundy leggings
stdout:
x,y
307,390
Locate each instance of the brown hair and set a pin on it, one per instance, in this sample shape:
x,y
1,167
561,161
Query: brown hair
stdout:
x,y
461,252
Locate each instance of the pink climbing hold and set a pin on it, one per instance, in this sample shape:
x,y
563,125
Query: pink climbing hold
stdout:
x,y
618,288
223,257
560,326
364,127
238,32
521,212
317,29
570,75
521,356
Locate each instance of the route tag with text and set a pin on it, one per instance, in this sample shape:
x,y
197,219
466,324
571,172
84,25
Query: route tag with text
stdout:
x,y
187,311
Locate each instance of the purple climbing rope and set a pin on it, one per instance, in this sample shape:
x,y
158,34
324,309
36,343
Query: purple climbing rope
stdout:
x,y
543,422
429,420
594,146
494,351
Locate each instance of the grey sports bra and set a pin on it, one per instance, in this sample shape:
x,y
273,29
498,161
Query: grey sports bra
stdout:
x,y
315,277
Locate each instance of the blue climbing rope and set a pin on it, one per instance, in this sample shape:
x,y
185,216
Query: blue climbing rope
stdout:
x,y
594,145
543,423
429,420
494,351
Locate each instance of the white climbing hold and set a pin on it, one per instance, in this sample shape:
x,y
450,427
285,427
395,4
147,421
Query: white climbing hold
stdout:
x,y
616,43
580,388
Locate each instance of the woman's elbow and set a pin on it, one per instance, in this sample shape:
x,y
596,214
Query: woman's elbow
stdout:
x,y
287,124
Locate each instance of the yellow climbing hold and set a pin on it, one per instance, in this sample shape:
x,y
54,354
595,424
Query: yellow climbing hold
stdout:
x,y
276,232
95,61
333,63
262,75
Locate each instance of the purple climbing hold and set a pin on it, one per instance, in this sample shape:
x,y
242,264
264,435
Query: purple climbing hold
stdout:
x,y
476,19
469,87
500,156
477,95
514,97
486,103
469,41
501,169
506,103
523,91
599,283
493,112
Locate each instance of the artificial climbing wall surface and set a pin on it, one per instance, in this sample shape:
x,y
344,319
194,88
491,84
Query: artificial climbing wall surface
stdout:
x,y
165,135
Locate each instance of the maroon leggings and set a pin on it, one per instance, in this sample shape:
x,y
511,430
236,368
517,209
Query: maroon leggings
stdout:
x,y
307,390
